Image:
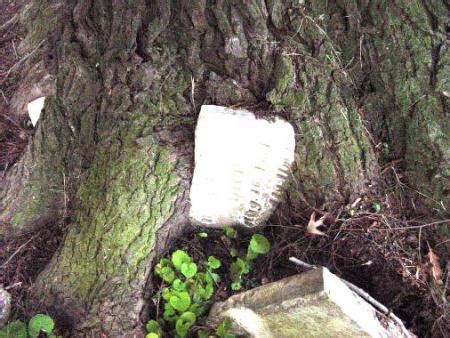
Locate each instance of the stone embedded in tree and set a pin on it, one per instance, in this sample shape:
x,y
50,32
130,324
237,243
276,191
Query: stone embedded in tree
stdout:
x,y
241,163
35,109
312,304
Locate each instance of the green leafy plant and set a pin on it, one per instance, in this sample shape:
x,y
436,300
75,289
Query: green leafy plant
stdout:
x,y
153,329
189,286
230,232
376,207
14,329
38,324
259,245
202,234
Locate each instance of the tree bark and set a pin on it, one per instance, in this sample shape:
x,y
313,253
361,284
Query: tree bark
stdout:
x,y
115,144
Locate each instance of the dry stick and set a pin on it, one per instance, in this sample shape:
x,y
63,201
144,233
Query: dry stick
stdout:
x,y
16,252
17,64
420,226
9,23
361,293
12,286
4,97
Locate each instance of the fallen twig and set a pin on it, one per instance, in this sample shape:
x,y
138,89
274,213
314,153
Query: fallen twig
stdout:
x,y
11,22
18,63
16,252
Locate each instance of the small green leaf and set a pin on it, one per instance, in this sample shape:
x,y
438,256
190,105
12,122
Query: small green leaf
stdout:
x,y
179,285
180,301
230,232
215,277
224,328
16,329
259,244
213,262
38,323
153,327
236,286
167,274
179,257
202,234
188,317
166,293
197,309
184,323
233,252
152,335
206,277
189,269
198,293
243,265
163,262
209,291
169,313
376,207
238,268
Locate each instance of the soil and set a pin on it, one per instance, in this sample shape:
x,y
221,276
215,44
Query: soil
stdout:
x,y
369,247
13,133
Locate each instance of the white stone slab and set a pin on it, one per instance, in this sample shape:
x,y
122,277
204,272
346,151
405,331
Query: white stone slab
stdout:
x,y
241,163
35,109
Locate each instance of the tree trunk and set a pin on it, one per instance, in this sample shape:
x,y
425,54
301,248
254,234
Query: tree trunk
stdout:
x,y
115,144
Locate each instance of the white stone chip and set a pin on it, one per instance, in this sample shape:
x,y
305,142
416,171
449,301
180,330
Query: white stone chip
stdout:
x,y
241,163
35,109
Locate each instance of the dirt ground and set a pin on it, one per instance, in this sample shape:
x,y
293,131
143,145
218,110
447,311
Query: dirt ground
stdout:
x,y
379,244
372,250
13,134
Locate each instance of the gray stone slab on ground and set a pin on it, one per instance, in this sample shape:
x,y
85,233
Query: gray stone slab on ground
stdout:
x,y
313,304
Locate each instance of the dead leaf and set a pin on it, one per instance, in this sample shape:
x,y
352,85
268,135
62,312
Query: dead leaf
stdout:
x,y
436,266
313,225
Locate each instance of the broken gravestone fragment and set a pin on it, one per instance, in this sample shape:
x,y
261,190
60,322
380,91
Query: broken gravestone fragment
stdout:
x,y
241,163
35,109
312,304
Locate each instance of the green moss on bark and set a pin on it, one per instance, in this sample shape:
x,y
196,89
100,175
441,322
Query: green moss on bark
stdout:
x,y
40,19
34,192
334,158
123,200
409,81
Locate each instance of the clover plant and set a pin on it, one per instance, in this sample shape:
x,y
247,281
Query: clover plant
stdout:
x,y
259,245
189,286
38,324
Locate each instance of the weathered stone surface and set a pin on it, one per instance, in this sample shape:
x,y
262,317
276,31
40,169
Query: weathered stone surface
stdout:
x,y
241,163
5,306
313,304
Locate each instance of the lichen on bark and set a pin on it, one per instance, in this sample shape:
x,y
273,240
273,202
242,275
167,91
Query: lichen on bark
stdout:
x,y
407,61
108,250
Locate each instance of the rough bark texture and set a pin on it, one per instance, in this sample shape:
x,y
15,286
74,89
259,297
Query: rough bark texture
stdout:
x,y
117,138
